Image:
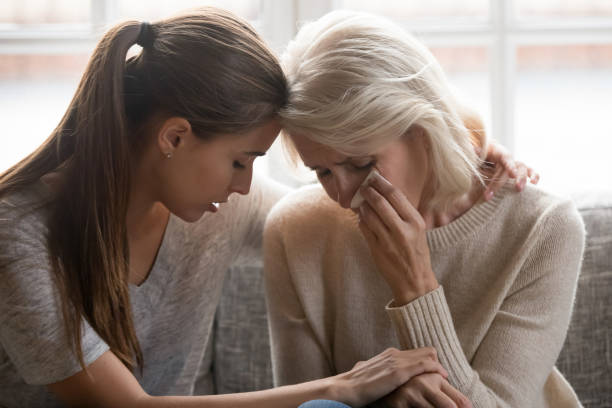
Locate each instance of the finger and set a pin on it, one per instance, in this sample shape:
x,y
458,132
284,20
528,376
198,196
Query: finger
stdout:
x,y
395,228
500,157
509,165
533,176
439,399
521,177
396,198
419,401
499,178
422,352
392,400
458,398
425,366
374,223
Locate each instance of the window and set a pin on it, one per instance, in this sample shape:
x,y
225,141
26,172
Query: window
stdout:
x,y
539,72
44,48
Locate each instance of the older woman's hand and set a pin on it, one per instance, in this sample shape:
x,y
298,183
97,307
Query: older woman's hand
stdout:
x,y
395,232
500,166
426,391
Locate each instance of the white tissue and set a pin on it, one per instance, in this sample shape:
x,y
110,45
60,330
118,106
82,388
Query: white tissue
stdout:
x,y
358,198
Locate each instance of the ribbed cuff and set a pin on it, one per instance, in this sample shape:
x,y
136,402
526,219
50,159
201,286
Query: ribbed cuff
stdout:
x,y
427,322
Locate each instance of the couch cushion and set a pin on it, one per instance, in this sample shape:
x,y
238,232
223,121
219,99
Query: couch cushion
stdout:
x,y
586,358
241,341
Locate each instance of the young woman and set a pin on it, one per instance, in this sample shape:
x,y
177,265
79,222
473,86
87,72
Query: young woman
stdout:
x,y
424,261
112,252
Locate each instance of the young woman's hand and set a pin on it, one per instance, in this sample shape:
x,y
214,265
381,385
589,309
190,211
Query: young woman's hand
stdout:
x,y
500,166
395,232
426,391
382,374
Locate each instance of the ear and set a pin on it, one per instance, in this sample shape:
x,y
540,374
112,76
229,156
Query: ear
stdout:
x,y
172,134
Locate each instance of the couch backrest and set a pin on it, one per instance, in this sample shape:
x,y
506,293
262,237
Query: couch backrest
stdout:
x,y
241,355
586,358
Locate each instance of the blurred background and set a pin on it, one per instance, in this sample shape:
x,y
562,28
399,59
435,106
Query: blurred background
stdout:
x,y
538,71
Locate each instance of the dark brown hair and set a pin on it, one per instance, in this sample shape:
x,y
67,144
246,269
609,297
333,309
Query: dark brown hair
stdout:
x,y
208,67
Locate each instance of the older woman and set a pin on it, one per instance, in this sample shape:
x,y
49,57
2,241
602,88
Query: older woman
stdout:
x,y
425,261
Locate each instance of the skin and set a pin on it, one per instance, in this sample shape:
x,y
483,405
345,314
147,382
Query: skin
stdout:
x,y
197,173
186,182
394,219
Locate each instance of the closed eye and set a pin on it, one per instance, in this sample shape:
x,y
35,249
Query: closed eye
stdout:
x,y
362,167
238,165
323,173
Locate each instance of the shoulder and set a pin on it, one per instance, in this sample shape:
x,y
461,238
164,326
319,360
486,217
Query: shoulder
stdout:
x,y
552,229
23,220
305,208
543,210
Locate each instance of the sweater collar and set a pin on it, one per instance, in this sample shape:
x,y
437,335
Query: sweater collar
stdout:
x,y
473,219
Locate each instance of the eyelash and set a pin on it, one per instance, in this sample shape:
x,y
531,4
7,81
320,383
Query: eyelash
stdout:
x,y
364,167
238,165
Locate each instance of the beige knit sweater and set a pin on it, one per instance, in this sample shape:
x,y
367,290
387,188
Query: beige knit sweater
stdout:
x,y
507,270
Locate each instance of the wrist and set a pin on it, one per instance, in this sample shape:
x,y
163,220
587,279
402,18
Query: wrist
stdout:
x,y
402,297
332,388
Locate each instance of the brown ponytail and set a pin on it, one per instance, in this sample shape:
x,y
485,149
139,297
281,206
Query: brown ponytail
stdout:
x,y
210,68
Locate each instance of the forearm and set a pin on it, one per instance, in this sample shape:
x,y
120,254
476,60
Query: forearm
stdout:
x,y
289,396
426,322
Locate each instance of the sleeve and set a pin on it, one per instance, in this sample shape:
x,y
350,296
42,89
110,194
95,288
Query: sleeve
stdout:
x,y
297,354
254,209
32,332
521,345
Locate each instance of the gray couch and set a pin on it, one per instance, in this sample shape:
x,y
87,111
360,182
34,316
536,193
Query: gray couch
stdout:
x,y
240,356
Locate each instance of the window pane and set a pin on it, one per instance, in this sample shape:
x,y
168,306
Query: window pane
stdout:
x,y
563,105
563,8
156,9
34,94
467,68
32,12
410,9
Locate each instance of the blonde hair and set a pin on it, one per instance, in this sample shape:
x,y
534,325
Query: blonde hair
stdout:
x,y
358,82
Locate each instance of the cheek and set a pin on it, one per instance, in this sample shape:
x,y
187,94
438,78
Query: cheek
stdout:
x,y
407,179
329,186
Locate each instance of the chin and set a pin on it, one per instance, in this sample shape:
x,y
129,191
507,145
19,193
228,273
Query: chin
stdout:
x,y
190,216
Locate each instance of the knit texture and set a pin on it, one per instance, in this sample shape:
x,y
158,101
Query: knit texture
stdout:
x,y
507,270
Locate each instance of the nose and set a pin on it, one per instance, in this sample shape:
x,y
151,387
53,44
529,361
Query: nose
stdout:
x,y
241,182
345,190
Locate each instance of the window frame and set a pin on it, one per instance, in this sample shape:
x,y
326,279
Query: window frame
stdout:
x,y
502,32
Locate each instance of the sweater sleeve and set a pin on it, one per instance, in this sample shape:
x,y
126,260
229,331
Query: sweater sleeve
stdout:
x,y
522,343
297,354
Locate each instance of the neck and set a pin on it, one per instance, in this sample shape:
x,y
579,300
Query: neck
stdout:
x,y
435,218
144,210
